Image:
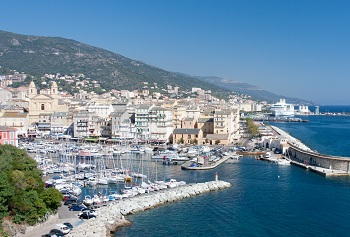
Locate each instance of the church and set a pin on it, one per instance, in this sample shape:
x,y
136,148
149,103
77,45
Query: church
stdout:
x,y
41,106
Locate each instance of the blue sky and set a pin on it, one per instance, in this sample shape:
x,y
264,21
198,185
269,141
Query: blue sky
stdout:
x,y
296,48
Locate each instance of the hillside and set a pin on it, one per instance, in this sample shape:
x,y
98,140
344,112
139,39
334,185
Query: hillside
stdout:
x,y
251,90
37,55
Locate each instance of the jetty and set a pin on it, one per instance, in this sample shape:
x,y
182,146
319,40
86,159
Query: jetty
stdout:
x,y
204,164
111,217
304,157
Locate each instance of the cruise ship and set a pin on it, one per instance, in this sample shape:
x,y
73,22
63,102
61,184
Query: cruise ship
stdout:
x,y
282,109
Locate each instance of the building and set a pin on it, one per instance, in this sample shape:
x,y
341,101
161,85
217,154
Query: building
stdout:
x,y
121,126
226,127
16,118
8,136
102,110
160,124
186,135
82,124
142,122
60,122
39,103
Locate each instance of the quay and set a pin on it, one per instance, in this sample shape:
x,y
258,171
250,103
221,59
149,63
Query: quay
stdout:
x,y
281,119
320,170
111,217
191,165
304,157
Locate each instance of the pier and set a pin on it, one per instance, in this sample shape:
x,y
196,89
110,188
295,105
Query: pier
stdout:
x,y
190,165
304,157
113,216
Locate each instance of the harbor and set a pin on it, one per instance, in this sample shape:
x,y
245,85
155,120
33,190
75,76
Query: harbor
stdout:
x,y
133,160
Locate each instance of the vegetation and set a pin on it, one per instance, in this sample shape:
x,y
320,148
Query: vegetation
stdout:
x,y
252,128
181,141
37,56
217,142
23,197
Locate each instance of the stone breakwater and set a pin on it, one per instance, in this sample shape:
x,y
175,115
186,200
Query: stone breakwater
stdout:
x,y
113,216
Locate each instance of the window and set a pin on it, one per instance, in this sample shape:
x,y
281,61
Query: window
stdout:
x,y
12,142
42,107
4,135
189,136
12,135
6,142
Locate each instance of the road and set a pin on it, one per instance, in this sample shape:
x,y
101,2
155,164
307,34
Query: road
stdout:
x,y
64,216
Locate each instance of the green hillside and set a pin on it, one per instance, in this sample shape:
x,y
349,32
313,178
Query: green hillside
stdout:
x,y
38,55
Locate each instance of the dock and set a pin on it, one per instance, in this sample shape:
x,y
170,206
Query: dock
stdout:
x,y
320,170
188,165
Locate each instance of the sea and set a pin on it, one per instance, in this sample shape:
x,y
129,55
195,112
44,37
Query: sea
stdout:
x,y
265,199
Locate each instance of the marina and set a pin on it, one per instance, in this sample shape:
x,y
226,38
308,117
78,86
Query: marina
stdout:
x,y
262,178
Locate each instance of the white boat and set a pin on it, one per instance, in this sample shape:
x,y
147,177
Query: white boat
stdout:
x,y
283,161
102,181
92,181
88,200
162,155
282,109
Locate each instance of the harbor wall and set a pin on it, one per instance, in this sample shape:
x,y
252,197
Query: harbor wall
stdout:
x,y
299,152
111,217
315,159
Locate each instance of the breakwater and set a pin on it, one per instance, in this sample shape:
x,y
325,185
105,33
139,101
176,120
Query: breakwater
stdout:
x,y
113,216
303,156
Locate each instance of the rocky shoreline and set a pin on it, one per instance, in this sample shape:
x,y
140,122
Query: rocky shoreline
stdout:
x,y
113,216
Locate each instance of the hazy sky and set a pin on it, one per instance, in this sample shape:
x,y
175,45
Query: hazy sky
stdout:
x,y
292,48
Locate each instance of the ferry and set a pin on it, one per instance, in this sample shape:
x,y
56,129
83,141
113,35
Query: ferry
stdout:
x,y
282,109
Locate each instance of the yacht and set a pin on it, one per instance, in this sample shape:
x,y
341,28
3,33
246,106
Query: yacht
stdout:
x,y
282,109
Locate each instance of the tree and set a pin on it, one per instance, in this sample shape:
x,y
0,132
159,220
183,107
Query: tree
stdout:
x,y
22,193
217,142
52,198
181,141
253,130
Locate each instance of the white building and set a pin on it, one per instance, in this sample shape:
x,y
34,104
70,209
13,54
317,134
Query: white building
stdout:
x,y
160,124
102,110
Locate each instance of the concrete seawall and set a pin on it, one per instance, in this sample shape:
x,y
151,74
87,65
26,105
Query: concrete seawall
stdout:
x,y
307,158
113,216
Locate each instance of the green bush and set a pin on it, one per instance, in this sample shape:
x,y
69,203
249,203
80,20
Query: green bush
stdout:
x,y
22,192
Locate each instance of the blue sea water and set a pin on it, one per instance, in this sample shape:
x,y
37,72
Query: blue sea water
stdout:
x,y
265,199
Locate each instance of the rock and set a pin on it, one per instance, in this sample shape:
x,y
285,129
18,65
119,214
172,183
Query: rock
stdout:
x,y
112,217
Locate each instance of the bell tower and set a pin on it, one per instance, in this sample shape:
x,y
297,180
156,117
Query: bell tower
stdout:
x,y
32,91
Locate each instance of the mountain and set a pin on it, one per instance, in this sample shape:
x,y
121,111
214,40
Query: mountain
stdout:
x,y
251,90
37,55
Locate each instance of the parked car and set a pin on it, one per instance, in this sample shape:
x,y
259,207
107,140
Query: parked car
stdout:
x,y
87,209
63,228
69,225
68,197
76,207
86,215
70,202
56,232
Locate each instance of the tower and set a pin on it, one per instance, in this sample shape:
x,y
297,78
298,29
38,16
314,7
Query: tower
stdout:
x,y
32,91
54,88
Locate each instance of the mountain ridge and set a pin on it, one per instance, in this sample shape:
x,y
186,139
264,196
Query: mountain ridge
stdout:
x,y
37,55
